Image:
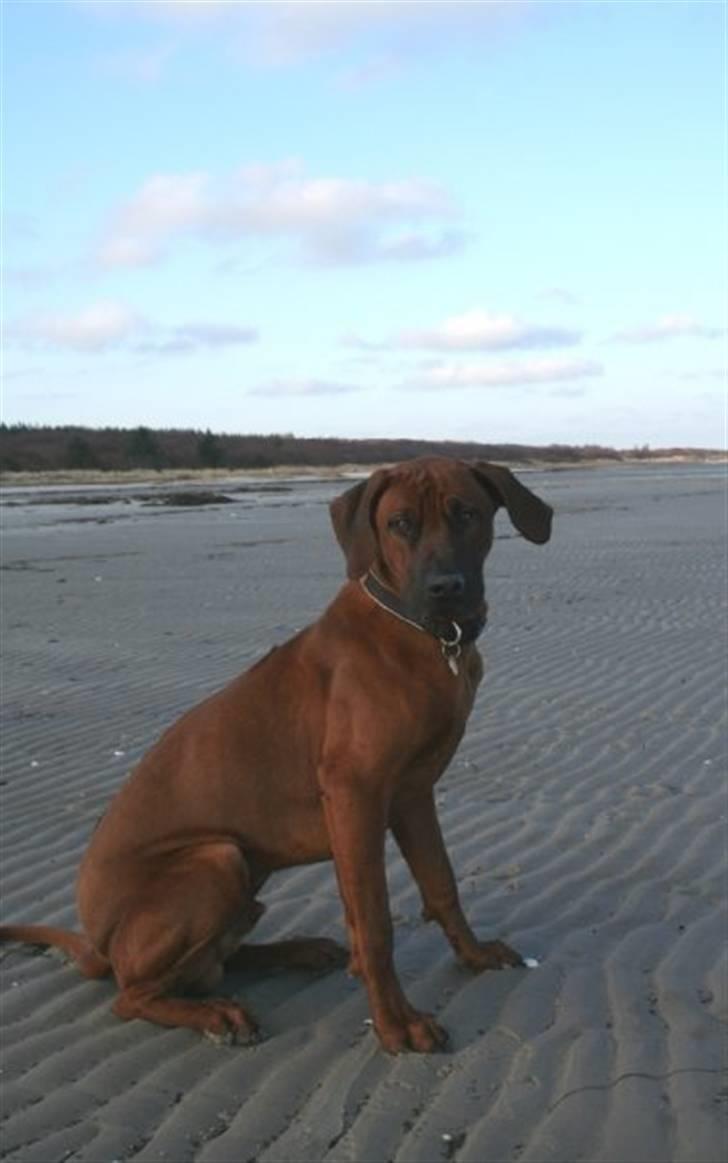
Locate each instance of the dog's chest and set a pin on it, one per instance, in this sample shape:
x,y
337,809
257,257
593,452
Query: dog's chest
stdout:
x,y
441,723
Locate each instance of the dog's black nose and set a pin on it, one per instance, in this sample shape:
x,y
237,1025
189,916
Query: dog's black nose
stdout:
x,y
446,585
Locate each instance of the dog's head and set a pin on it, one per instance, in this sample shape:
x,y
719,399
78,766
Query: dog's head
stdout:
x,y
426,526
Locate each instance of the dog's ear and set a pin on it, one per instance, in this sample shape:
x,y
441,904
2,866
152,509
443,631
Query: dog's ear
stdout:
x,y
352,515
530,515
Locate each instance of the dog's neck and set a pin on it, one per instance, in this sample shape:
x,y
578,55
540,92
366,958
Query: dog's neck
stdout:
x,y
461,633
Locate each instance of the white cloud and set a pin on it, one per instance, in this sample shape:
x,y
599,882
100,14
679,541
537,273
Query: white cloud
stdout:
x,y
190,336
107,326
30,277
184,12
668,327
277,33
334,221
20,226
303,387
127,251
95,328
474,330
144,67
165,205
380,67
701,375
561,295
504,374
192,8
411,247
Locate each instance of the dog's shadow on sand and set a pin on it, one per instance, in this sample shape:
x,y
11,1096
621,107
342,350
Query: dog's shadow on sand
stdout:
x,y
284,1000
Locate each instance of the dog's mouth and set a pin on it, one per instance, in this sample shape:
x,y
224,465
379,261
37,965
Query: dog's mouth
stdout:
x,y
455,619
444,623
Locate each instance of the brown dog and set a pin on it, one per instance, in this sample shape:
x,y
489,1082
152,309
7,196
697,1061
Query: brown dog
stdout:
x,y
312,754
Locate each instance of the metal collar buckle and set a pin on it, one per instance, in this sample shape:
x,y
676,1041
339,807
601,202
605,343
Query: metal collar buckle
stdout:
x,y
451,649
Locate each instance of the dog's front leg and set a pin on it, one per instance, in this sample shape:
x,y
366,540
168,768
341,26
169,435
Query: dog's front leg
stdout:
x,y
356,818
417,832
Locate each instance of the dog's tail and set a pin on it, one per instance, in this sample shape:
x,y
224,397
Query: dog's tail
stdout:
x,y
74,945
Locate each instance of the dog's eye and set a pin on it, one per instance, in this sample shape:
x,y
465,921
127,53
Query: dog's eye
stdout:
x,y
402,524
465,515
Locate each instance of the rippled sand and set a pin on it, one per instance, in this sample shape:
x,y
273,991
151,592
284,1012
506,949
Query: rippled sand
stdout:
x,y
585,815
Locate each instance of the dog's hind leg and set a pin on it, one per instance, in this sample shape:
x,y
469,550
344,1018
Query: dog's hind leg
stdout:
x,y
298,953
175,937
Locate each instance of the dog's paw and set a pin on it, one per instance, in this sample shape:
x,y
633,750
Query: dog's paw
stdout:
x,y
419,1032
492,955
226,1022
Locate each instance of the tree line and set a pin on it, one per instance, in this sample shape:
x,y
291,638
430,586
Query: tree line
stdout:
x,y
41,448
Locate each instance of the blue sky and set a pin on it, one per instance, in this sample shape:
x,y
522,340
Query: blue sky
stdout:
x,y
498,221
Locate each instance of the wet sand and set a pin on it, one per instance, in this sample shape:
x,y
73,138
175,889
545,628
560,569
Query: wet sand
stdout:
x,y
585,813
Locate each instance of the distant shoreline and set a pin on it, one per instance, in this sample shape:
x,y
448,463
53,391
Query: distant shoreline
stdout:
x,y
81,477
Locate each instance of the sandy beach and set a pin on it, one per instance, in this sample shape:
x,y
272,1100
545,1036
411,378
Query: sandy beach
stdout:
x,y
586,815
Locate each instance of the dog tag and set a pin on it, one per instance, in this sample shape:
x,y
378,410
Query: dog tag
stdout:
x,y
451,649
